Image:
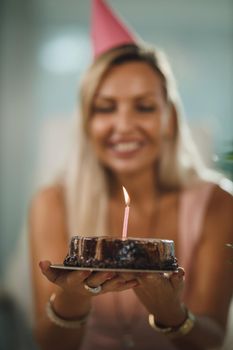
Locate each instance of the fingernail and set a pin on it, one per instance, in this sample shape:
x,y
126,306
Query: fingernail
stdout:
x,y
42,269
44,265
41,265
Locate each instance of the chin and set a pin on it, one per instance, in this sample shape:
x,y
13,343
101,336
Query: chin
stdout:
x,y
125,169
129,166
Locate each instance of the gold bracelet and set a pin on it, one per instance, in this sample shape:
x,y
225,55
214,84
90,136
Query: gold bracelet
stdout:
x,y
61,322
174,332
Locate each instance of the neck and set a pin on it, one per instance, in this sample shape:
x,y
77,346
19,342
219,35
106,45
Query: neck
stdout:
x,y
142,187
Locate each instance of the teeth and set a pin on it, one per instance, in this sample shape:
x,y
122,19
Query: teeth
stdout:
x,y
126,146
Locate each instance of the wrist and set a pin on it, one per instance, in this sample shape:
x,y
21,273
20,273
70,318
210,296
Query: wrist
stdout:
x,y
174,332
70,305
173,317
61,321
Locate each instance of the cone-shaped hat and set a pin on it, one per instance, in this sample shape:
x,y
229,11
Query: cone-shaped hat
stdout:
x,y
107,30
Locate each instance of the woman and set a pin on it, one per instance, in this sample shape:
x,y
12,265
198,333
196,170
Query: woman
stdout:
x,y
132,134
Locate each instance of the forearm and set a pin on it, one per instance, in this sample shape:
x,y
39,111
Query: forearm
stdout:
x,y
50,336
68,308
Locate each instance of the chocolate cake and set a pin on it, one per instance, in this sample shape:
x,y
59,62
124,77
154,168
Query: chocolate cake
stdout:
x,y
112,252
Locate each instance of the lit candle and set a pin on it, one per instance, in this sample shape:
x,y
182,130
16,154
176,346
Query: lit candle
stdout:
x,y
126,216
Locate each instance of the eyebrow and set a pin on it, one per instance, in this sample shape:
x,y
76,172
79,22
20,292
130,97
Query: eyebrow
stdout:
x,y
137,96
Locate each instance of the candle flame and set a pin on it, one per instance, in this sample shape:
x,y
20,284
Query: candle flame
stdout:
x,y
127,199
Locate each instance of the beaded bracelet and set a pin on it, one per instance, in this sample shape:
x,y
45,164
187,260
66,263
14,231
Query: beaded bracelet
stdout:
x,y
61,322
174,332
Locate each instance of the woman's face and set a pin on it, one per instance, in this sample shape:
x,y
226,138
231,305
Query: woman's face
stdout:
x,y
126,124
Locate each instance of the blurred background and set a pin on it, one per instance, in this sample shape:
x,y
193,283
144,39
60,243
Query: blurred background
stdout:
x,y
44,49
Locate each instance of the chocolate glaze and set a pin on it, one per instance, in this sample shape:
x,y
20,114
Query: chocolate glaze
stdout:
x,y
112,252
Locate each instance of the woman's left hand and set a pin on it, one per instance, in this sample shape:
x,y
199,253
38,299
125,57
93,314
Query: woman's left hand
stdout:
x,y
161,294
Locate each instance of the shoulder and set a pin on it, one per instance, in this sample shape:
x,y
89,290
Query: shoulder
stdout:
x,y
47,208
48,224
48,198
219,211
212,256
221,200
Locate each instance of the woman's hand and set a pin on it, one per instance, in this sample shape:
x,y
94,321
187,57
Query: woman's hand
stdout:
x,y
111,281
70,282
161,294
73,282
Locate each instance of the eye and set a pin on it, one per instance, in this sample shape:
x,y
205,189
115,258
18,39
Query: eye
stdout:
x,y
103,109
146,108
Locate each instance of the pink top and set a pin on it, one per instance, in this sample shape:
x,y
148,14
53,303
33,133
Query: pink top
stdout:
x,y
118,320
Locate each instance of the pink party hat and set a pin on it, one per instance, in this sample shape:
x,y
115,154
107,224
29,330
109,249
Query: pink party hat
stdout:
x,y
107,30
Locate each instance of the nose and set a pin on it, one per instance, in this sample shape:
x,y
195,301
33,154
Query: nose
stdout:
x,y
124,121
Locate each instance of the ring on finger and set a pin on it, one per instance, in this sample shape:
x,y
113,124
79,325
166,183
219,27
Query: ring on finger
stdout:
x,y
93,290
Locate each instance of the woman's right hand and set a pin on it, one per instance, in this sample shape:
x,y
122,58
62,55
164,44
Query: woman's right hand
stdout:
x,y
72,300
73,282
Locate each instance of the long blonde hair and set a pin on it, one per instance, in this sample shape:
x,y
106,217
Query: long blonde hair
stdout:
x,y
86,182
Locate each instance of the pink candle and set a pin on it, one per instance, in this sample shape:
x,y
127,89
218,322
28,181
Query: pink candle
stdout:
x,y
126,215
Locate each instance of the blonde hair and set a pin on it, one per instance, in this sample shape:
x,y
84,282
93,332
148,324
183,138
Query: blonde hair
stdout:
x,y
86,183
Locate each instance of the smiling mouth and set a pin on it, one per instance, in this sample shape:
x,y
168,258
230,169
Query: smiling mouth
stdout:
x,y
126,147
